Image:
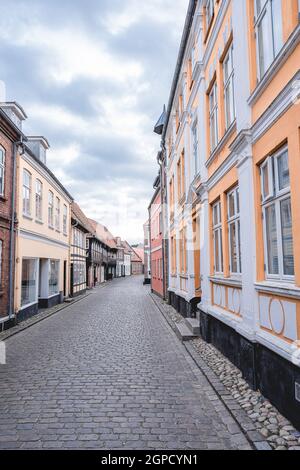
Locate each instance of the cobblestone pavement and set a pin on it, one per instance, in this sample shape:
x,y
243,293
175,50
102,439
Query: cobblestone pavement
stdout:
x,y
109,373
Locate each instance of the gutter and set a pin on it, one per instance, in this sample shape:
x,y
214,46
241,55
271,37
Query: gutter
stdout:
x,y
12,229
185,36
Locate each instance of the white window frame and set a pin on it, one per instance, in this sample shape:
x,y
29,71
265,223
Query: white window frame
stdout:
x,y
57,213
27,191
38,200
50,209
209,12
234,219
213,115
276,198
266,9
65,220
2,170
195,146
229,85
37,273
217,229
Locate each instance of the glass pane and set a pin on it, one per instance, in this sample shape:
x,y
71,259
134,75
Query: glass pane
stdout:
x,y
28,294
1,180
264,37
215,215
277,25
217,253
239,247
233,247
231,205
53,277
287,237
283,171
265,178
271,236
1,157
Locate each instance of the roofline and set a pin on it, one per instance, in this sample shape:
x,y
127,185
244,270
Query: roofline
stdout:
x,y
20,109
12,124
49,172
39,137
183,44
157,190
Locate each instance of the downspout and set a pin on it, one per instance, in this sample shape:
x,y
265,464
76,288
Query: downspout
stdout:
x,y
12,229
162,180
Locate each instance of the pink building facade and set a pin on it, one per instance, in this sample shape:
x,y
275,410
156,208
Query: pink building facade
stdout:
x,y
156,239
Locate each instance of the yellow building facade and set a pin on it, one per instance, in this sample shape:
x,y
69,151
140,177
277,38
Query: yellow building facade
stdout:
x,y
232,144
43,234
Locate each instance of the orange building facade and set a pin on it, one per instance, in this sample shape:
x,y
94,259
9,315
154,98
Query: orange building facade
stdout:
x,y
232,146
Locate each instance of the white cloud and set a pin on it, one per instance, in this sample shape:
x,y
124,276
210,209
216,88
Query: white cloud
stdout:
x,y
70,53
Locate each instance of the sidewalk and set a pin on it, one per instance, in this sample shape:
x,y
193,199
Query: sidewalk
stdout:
x,y
42,315
259,419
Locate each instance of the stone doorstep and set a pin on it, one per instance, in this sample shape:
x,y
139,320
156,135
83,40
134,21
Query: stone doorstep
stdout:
x,y
183,332
194,325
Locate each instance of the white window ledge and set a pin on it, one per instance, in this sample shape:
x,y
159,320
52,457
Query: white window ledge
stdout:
x,y
278,288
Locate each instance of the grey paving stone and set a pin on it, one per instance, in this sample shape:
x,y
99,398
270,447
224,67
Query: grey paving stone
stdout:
x,y
109,373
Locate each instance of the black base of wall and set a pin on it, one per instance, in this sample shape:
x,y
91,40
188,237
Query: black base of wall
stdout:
x,y
48,303
147,281
262,368
81,292
28,312
185,308
8,324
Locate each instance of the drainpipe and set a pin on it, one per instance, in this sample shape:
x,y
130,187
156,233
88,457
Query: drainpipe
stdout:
x,y
12,229
162,181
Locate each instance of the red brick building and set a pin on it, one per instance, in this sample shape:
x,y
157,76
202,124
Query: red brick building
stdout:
x,y
10,134
156,241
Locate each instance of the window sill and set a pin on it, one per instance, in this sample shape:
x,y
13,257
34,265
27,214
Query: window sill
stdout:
x,y
40,222
231,282
283,288
3,198
50,227
28,217
221,144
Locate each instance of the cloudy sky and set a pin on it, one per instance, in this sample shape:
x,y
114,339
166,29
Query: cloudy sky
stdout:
x,y
92,76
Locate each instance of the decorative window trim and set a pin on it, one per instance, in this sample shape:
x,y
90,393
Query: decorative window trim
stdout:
x,y
38,201
213,115
28,189
217,229
2,170
226,84
234,220
276,197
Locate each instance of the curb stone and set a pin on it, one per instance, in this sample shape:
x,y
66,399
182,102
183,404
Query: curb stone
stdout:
x,y
243,421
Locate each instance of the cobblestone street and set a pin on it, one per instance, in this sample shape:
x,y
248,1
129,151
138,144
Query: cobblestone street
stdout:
x,y
109,373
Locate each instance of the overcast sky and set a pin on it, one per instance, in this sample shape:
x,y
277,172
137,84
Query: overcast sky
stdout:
x,y
92,76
